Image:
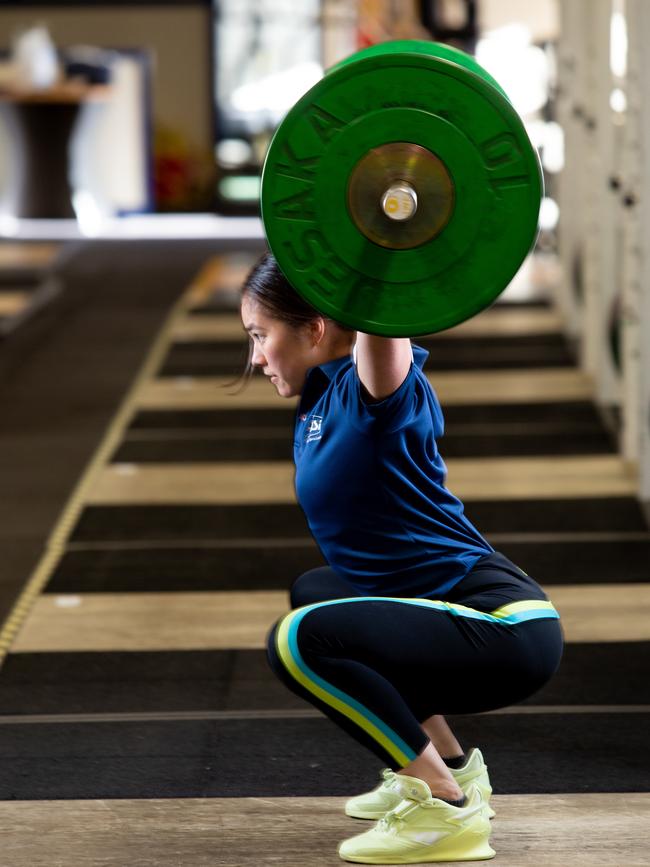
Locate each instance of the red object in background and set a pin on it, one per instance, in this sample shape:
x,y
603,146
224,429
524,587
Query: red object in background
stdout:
x,y
364,40
172,179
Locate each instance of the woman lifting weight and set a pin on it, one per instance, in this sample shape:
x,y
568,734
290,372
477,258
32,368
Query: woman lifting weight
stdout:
x,y
416,616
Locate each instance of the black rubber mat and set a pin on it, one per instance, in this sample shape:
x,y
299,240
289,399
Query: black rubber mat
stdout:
x,y
582,414
188,522
561,752
597,561
226,420
226,300
490,431
215,358
526,753
222,302
607,514
212,447
265,566
25,284
569,414
522,443
616,673
286,520
599,673
144,682
232,568
272,444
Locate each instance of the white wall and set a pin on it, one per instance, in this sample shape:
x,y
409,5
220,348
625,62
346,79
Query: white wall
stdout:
x,y
541,16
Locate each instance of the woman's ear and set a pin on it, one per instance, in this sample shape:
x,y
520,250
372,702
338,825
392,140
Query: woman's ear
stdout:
x,y
317,330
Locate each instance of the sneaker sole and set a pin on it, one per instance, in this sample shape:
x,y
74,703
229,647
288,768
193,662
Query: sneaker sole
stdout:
x,y
360,815
478,853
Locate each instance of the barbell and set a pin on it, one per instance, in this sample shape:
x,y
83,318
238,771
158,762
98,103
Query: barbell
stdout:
x,y
401,193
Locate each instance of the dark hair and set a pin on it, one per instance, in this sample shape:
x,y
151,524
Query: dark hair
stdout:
x,y
267,286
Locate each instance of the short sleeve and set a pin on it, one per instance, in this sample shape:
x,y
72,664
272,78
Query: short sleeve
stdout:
x,y
413,397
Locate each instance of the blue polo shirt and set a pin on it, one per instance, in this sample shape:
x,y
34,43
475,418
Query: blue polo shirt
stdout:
x,y
371,482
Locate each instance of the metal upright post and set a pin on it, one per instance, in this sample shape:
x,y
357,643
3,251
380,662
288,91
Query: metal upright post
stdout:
x,y
592,171
602,209
643,13
571,58
636,176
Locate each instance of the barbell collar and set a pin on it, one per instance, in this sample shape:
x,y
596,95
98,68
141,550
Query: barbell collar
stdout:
x,y
400,202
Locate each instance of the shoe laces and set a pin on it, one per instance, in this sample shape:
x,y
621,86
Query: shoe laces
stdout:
x,y
389,777
393,821
390,823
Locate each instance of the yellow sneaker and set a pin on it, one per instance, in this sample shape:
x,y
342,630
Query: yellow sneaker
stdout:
x,y
475,772
422,829
373,805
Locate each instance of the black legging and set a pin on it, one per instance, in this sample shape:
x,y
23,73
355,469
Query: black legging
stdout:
x,y
380,666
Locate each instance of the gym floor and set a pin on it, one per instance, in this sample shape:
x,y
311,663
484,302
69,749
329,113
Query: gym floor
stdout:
x,y
151,509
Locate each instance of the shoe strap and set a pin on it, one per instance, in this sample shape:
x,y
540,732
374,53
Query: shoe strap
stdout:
x,y
411,788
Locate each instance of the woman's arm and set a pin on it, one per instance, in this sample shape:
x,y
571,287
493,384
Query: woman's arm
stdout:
x,y
382,363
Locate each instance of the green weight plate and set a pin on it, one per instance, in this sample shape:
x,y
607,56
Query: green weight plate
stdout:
x,y
449,141
419,46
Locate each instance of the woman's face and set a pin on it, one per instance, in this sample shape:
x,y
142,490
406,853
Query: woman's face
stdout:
x,y
284,353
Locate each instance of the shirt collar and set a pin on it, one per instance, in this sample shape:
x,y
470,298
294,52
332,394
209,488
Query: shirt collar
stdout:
x,y
317,381
331,368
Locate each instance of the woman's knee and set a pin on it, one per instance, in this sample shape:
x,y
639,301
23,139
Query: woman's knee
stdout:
x,y
282,659
310,640
272,656
271,652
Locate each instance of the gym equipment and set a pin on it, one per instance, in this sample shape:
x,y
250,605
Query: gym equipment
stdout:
x,y
401,193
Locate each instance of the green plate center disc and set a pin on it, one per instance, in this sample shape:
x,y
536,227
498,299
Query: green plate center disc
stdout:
x,y
400,195
345,260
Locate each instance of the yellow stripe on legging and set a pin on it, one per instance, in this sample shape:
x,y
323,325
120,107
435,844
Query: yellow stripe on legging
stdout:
x,y
289,654
336,699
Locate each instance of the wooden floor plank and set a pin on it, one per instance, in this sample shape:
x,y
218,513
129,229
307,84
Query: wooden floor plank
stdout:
x,y
226,619
151,621
221,274
470,479
12,303
584,830
495,322
27,255
476,387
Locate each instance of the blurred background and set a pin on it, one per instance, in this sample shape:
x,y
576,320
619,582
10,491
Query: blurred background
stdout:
x,y
148,123
148,528
170,107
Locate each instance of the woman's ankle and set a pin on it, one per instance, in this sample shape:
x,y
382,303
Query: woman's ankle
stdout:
x,y
441,788
446,793
441,736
